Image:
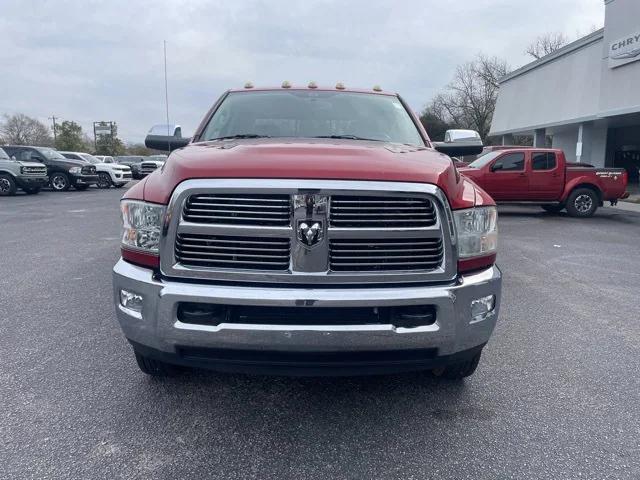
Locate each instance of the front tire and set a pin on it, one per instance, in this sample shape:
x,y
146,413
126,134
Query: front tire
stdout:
x,y
582,203
59,182
7,185
104,180
155,368
459,370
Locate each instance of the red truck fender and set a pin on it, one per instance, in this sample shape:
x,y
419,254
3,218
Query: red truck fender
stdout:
x,y
582,181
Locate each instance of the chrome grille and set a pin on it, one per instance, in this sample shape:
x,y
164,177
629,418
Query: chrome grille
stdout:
x,y
239,209
235,252
148,167
381,212
34,170
354,255
262,231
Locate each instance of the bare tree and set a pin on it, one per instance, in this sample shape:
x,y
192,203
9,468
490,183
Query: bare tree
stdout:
x,y
546,44
470,98
19,129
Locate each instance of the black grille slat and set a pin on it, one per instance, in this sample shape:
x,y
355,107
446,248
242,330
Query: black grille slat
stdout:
x,y
239,209
381,212
385,255
230,252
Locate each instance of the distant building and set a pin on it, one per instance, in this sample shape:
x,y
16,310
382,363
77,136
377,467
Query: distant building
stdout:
x,y
586,95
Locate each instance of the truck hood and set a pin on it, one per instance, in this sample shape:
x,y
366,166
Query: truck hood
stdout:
x,y
308,159
30,164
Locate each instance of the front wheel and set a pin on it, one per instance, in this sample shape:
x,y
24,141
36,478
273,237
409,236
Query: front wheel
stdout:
x,y
7,185
582,203
458,370
60,182
104,180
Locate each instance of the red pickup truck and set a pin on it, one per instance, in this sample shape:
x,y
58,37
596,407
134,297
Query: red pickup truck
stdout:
x,y
308,230
543,176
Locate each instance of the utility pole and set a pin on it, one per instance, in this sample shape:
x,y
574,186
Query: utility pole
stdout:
x,y
55,135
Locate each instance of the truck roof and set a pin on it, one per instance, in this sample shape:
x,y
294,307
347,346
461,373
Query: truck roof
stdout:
x,y
335,88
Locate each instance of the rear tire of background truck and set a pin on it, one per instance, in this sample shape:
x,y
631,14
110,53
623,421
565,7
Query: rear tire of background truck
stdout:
x,y
59,182
459,370
582,202
104,180
7,185
553,208
155,368
31,190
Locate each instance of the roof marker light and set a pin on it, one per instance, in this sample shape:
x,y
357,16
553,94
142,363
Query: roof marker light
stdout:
x,y
312,85
248,85
340,86
377,88
286,84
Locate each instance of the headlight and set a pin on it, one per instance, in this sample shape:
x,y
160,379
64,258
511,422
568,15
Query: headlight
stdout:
x,y
142,223
477,230
22,170
75,170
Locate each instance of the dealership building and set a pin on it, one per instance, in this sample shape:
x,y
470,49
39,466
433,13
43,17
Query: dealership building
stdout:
x,y
585,96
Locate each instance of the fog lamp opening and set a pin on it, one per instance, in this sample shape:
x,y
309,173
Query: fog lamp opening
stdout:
x,y
131,301
482,307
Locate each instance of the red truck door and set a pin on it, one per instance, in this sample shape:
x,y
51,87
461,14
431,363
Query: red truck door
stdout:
x,y
506,179
546,176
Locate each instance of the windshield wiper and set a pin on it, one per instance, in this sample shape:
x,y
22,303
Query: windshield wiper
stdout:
x,y
240,135
348,137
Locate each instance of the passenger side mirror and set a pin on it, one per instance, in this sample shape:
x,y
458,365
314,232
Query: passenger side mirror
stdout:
x,y
458,143
165,138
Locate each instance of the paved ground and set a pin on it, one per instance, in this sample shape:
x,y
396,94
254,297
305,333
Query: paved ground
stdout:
x,y
556,395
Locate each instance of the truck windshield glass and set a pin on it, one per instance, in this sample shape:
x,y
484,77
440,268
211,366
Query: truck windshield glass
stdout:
x,y
313,114
51,154
484,159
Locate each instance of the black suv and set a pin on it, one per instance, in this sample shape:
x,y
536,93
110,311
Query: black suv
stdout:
x,y
63,172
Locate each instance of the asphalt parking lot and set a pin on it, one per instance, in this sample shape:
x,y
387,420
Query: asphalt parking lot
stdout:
x,y
555,396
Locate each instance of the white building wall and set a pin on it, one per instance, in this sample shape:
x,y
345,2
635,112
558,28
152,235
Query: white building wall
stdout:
x,y
559,91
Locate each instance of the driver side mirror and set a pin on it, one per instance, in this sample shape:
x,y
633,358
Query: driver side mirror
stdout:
x,y
458,143
165,138
496,166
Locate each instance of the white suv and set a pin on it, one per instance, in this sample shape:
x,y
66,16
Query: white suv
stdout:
x,y
108,173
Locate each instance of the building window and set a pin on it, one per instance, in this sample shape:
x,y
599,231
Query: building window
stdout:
x,y
543,161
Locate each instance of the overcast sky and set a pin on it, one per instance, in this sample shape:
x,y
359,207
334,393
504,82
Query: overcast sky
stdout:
x,y
86,60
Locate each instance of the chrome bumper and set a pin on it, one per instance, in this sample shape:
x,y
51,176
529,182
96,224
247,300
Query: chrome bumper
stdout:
x,y
158,328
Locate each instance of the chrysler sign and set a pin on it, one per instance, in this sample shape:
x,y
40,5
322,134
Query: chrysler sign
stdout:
x,y
625,50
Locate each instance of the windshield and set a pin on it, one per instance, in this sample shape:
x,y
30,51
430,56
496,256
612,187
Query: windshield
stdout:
x,y
90,158
484,159
3,155
313,114
51,154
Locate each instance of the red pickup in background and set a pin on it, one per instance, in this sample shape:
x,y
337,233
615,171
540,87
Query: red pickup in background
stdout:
x,y
543,176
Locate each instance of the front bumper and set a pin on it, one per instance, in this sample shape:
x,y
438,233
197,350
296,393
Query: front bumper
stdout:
x,y
85,179
32,182
158,332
